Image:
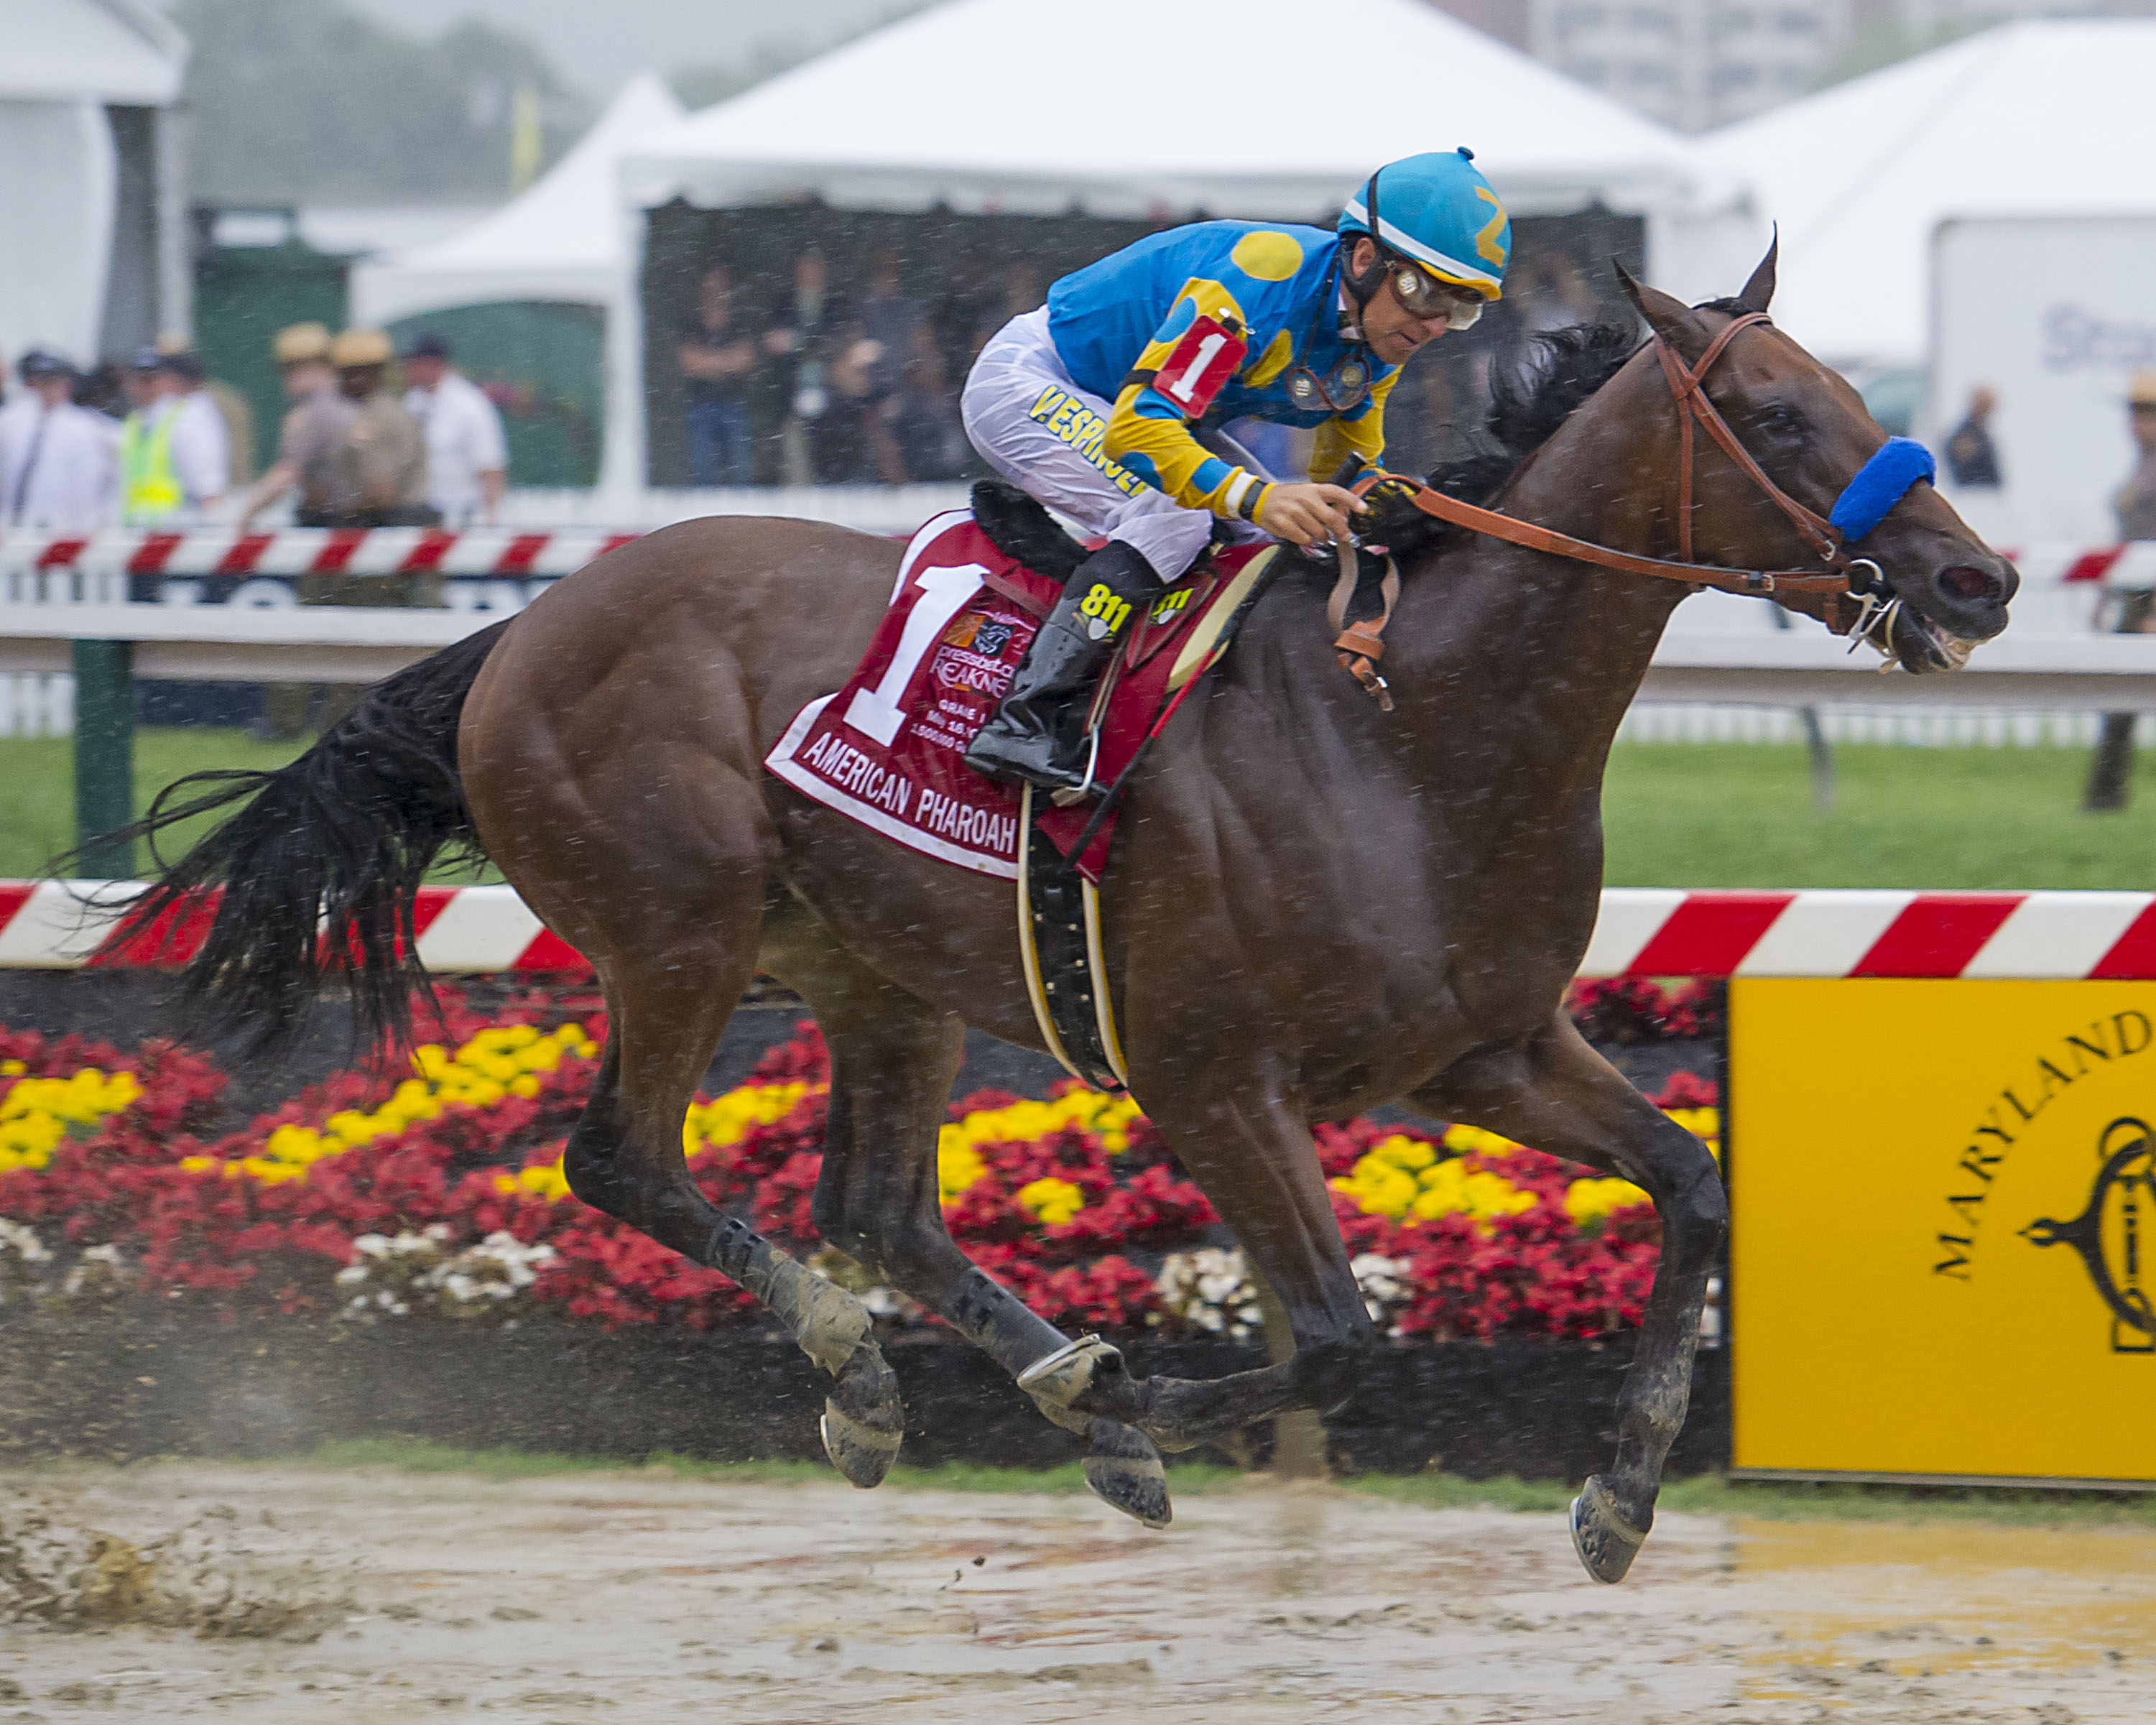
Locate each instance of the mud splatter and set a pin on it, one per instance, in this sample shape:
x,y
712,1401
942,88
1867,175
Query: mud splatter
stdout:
x,y
198,1576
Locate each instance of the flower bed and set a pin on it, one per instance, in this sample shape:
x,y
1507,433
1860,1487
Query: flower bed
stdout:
x,y
438,1191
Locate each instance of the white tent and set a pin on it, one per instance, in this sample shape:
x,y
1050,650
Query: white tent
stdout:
x,y
1269,108
62,65
1168,108
560,239
2046,119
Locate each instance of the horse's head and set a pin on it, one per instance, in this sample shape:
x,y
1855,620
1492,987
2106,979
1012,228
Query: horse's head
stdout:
x,y
1811,434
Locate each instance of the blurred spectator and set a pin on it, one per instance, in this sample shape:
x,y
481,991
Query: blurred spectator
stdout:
x,y
2111,774
806,326
467,457
232,407
381,466
23,401
717,360
102,390
1021,292
1547,292
1972,457
175,458
889,319
853,446
2136,499
212,414
313,432
921,418
968,315
59,463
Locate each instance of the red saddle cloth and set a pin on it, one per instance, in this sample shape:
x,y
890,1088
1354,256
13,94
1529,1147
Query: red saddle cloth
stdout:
x,y
888,748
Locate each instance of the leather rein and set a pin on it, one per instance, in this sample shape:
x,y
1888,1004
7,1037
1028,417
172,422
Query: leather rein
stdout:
x,y
1360,645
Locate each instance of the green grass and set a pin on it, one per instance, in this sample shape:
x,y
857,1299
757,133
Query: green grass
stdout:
x,y
1740,815
1707,1495
37,787
1678,814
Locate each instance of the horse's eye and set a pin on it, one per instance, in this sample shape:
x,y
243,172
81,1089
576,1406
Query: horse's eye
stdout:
x,y
1776,423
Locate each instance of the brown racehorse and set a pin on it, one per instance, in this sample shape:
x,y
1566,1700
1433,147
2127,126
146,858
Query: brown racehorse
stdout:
x,y
1314,907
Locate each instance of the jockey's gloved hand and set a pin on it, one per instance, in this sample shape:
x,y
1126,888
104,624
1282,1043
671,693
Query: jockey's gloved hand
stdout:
x,y
1309,514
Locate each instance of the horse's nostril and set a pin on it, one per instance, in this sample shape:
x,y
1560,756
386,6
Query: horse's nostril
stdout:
x,y
1975,585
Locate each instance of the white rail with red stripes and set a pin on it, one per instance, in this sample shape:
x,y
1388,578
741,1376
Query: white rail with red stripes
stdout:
x,y
308,551
505,551
1641,931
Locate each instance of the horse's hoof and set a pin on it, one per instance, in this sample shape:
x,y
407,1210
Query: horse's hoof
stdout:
x,y
864,1421
1126,1473
1605,1541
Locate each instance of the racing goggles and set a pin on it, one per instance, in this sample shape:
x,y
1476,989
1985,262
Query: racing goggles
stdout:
x,y
1341,390
1424,296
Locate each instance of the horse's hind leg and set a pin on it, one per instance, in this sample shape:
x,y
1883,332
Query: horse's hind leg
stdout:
x,y
893,1059
1556,1093
625,1156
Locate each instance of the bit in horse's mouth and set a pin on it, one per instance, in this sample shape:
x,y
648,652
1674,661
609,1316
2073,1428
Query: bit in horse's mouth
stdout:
x,y
1925,646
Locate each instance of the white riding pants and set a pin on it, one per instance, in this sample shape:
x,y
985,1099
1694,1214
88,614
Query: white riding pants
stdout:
x,y
1043,433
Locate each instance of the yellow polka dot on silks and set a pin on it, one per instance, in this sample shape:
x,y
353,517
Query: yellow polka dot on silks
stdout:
x,y
1267,254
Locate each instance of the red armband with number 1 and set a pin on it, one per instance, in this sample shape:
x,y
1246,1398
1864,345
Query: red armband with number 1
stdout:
x,y
1198,364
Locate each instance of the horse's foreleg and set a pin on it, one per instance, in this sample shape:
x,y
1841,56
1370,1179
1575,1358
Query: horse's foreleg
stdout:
x,y
1254,1160
625,1157
1556,1094
893,1059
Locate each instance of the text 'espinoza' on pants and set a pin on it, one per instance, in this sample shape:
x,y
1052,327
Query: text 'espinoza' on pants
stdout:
x,y
1038,734
1046,435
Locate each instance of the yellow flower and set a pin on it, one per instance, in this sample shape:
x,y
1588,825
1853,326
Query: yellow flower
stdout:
x,y
959,1163
1404,1177
497,1063
545,1180
1050,1200
1588,1201
957,1166
35,1113
726,1120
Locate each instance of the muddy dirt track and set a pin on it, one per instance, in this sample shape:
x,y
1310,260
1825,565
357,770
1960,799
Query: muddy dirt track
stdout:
x,y
379,1596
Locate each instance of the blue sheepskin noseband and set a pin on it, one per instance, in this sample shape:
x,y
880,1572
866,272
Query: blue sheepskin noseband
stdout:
x,y
1898,464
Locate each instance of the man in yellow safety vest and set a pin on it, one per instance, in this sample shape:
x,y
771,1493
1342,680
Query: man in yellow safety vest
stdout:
x,y
174,465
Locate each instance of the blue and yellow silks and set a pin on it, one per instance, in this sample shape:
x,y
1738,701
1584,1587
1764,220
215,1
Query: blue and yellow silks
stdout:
x,y
1278,287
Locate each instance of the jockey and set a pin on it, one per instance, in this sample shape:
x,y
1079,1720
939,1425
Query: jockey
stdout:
x,y
1100,404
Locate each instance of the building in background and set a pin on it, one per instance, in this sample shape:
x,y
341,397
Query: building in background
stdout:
x,y
1695,64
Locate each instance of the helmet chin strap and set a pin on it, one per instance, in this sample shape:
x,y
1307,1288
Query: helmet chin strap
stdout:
x,y
1361,287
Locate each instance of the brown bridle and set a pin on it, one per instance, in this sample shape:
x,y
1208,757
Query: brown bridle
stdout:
x,y
1361,645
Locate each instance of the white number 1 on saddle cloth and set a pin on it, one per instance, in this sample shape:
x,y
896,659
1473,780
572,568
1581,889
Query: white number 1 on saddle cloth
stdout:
x,y
888,749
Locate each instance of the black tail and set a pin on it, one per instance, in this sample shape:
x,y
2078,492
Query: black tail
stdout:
x,y
321,863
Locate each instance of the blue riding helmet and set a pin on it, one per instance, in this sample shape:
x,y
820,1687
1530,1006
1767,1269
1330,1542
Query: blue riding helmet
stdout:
x,y
1437,212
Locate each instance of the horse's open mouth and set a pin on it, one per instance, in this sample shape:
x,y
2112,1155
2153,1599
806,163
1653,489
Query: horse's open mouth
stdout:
x,y
1923,646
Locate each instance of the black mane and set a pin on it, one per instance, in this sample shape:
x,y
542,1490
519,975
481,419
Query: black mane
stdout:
x,y
1530,400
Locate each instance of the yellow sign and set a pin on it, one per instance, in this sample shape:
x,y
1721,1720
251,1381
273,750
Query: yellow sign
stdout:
x,y
1943,1242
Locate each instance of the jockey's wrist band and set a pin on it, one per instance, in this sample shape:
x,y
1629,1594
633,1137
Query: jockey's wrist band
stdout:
x,y
1240,484
1254,500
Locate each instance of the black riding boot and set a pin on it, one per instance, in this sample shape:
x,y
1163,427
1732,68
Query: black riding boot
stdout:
x,y
1038,734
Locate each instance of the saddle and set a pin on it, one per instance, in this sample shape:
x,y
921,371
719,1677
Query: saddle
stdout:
x,y
886,749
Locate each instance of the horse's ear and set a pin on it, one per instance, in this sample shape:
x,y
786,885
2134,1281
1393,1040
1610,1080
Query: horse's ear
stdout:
x,y
1759,291
1666,315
